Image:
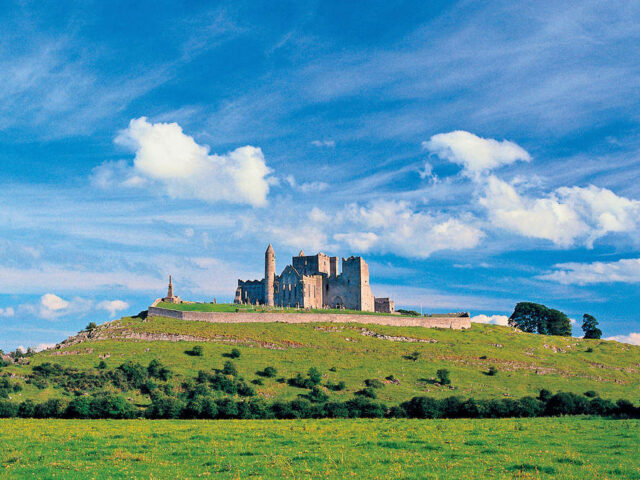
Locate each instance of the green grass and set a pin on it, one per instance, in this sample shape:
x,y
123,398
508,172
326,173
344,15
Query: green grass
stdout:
x,y
559,448
526,363
231,307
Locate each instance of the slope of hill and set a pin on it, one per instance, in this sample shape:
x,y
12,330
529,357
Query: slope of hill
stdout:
x,y
403,359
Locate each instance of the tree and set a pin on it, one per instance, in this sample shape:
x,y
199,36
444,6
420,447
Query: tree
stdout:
x,y
91,326
235,353
443,376
590,327
229,369
535,318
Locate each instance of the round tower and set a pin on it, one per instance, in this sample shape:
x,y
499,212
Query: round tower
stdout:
x,y
269,275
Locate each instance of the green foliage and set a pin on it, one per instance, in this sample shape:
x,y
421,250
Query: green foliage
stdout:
x,y
373,383
268,372
313,378
229,368
367,392
91,326
102,365
336,387
235,353
492,371
443,376
411,313
196,351
535,318
590,327
159,371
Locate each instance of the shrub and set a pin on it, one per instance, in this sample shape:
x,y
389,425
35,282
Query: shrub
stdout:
x,y
8,410
79,408
245,390
412,356
164,406
316,395
229,369
227,408
159,371
112,406
361,407
336,387
599,406
26,409
422,407
257,381
196,351
492,371
235,353
443,376
373,383
590,394
102,365
91,326
335,410
134,375
53,408
268,372
314,377
544,395
367,392
589,350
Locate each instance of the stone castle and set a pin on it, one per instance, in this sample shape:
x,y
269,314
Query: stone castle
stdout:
x,y
313,281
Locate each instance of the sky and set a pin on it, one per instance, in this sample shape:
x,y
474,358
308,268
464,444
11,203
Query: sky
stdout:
x,y
476,154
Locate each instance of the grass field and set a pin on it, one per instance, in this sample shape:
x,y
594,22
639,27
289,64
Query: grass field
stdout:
x,y
559,448
232,307
526,363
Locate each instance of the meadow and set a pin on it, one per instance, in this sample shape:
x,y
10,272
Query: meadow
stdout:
x,y
353,353
559,448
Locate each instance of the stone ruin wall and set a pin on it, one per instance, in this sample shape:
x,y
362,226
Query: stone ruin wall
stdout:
x,y
455,323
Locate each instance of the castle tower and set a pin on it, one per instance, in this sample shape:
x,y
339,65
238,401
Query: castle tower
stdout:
x,y
170,289
269,275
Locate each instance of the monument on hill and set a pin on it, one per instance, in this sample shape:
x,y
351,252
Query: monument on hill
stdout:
x,y
171,298
313,281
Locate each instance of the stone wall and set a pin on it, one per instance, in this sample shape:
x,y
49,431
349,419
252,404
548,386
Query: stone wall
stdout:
x,y
456,323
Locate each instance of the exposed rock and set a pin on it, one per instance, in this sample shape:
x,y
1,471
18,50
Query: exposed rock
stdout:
x,y
391,338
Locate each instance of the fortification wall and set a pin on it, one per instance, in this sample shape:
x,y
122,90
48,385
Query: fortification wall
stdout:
x,y
456,323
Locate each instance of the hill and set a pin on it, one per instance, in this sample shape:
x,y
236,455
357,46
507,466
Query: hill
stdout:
x,y
349,353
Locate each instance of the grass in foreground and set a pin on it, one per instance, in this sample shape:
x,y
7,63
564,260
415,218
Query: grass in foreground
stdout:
x,y
232,307
560,448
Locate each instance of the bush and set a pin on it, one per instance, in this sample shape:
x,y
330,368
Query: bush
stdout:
x,y
26,409
53,408
235,353
314,377
443,376
367,392
492,371
336,387
268,372
79,408
102,365
91,326
373,383
257,381
196,351
229,369
227,408
591,394
8,410
316,395
112,406
164,406
544,395
159,371
422,407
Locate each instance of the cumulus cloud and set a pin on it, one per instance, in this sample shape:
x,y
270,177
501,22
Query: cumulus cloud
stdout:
x,y
566,216
492,319
7,312
307,187
52,305
475,154
626,270
166,156
392,226
113,306
633,338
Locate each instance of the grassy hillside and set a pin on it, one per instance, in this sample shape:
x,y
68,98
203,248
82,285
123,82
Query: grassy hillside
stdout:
x,y
352,353
543,448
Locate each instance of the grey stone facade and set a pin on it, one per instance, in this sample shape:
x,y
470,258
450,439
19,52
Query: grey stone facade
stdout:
x,y
312,281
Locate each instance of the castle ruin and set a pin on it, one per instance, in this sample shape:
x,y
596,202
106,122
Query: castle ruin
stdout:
x,y
313,281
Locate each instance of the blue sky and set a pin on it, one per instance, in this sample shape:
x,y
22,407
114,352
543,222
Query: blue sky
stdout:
x,y
476,153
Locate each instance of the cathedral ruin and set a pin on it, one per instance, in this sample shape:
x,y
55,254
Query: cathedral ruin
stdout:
x,y
313,281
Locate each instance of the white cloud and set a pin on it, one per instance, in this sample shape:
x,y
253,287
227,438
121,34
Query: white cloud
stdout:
x,y
473,153
52,306
166,156
566,216
392,226
492,319
7,312
307,187
324,143
632,338
43,346
626,270
113,306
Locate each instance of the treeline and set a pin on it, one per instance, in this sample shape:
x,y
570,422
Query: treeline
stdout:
x,y
208,407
